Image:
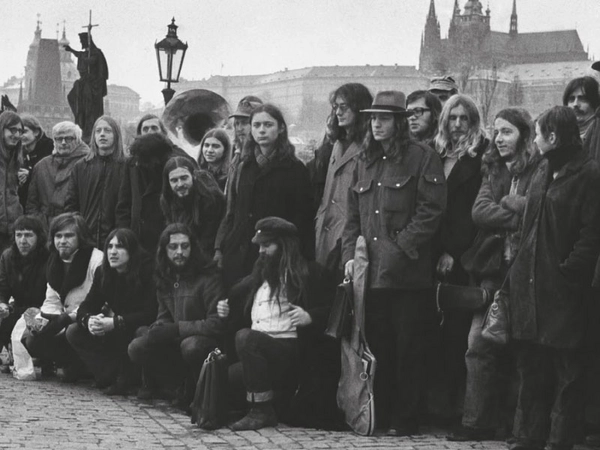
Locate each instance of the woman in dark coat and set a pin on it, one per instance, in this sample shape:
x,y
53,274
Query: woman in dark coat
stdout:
x,y
498,210
270,181
36,145
548,281
121,299
461,142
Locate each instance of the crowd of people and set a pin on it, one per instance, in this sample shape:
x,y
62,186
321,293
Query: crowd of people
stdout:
x,y
142,261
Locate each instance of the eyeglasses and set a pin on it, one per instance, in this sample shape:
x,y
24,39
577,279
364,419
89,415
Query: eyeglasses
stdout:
x,y
342,107
418,112
16,130
66,139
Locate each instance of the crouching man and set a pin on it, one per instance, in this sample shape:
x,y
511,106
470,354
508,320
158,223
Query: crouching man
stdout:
x,y
280,306
70,272
187,327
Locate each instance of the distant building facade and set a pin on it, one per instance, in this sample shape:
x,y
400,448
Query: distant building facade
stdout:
x,y
502,69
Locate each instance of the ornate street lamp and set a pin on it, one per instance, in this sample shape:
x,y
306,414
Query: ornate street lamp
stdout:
x,y
169,54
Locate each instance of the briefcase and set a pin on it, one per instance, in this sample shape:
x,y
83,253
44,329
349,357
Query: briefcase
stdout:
x,y
340,317
209,405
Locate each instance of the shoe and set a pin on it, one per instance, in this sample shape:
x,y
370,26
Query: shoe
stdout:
x,y
5,369
71,374
48,369
118,388
261,415
464,434
145,393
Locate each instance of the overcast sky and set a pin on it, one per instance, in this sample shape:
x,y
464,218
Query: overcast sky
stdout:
x,y
233,37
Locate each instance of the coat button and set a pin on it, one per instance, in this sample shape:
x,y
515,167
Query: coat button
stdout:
x,y
397,184
378,184
531,280
332,201
360,189
375,238
376,211
385,157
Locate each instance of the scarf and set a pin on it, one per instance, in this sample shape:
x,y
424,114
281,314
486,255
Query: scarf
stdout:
x,y
262,160
64,283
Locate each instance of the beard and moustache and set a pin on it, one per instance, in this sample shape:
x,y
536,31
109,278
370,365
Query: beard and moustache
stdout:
x,y
266,268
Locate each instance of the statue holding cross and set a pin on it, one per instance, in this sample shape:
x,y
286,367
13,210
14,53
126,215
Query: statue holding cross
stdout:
x,y
86,98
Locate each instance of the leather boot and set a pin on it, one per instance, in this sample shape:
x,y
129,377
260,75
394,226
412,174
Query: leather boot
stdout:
x,y
261,415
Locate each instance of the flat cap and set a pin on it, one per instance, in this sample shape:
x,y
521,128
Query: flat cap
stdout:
x,y
270,228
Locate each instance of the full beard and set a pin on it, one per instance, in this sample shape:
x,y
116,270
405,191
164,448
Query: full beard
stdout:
x,y
266,268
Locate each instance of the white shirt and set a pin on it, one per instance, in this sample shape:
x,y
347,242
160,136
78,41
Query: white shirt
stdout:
x,y
271,317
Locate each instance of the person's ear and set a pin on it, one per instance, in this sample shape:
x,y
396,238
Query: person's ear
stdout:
x,y
552,138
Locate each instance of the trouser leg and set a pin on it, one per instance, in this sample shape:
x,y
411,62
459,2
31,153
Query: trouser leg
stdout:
x,y
264,360
531,423
482,361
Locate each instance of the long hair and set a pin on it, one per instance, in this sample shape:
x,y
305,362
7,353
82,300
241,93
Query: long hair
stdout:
x,y
561,121
164,273
9,119
75,220
292,270
589,87
137,255
34,125
34,224
223,138
204,188
357,97
435,108
283,148
138,129
521,119
399,139
118,152
467,145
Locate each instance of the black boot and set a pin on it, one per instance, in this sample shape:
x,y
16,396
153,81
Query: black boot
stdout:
x,y
261,415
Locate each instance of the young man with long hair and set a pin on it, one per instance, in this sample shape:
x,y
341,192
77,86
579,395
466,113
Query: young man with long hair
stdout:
x,y
278,313
187,328
93,188
121,299
192,197
71,266
348,127
271,181
396,200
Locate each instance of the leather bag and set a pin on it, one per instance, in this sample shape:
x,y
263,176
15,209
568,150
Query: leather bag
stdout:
x,y
209,405
466,298
340,317
495,327
355,396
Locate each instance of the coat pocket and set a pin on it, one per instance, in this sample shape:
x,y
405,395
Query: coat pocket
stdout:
x,y
397,194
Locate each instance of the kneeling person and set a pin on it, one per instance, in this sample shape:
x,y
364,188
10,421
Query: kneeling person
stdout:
x,y
187,327
71,266
275,309
122,298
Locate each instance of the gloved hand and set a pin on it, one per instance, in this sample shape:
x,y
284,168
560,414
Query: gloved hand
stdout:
x,y
163,333
56,323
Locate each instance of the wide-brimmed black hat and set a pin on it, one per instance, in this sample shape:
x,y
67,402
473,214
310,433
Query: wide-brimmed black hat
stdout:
x,y
392,102
270,228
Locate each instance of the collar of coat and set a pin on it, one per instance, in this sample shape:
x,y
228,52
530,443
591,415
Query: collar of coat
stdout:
x,y
64,283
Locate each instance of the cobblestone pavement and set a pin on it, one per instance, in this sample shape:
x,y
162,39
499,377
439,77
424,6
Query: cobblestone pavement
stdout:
x,y
52,415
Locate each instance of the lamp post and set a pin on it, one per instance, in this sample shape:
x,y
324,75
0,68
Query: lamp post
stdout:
x,y
169,54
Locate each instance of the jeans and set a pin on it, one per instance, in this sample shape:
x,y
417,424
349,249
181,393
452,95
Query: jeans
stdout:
x,y
486,378
265,361
52,348
550,406
397,329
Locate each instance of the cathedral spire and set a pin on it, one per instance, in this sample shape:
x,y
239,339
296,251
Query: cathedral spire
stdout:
x,y
513,20
432,13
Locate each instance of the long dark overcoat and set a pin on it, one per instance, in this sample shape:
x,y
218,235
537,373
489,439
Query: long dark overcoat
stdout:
x,y
558,252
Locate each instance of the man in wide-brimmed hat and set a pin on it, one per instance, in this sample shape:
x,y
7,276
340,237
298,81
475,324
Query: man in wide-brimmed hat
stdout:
x,y
443,87
396,201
